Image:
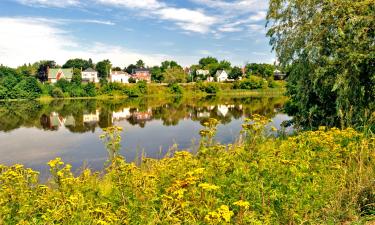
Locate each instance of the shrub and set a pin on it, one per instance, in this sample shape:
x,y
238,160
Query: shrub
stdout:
x,y
90,89
175,89
132,80
253,82
208,87
57,93
142,86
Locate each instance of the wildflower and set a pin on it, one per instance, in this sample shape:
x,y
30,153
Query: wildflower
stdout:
x,y
208,187
244,204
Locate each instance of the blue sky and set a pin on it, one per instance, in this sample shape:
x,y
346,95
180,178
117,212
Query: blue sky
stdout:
x,y
126,30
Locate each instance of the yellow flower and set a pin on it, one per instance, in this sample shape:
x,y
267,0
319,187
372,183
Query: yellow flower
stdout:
x,y
209,187
244,204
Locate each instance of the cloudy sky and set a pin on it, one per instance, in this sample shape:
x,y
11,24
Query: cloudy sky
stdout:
x,y
126,30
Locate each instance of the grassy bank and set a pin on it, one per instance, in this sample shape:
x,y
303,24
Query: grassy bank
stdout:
x,y
320,177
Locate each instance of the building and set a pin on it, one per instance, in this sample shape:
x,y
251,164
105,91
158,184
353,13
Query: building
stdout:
x,y
142,74
222,75
58,73
91,117
90,75
121,115
278,75
119,77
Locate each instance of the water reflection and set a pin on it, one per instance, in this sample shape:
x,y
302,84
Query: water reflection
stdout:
x,y
32,133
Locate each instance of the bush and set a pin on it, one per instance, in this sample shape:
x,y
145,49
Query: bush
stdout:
x,y
90,89
175,89
142,87
209,88
132,80
57,93
253,82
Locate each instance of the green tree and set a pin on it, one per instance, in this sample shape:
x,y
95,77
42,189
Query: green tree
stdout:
x,y
42,73
130,68
78,63
207,61
140,64
103,68
260,69
174,75
235,73
156,74
328,47
77,76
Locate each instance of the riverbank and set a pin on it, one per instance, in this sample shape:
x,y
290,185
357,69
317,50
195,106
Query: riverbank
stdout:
x,y
316,177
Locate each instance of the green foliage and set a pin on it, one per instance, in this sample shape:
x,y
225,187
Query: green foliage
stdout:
x,y
142,86
208,87
42,73
156,74
262,70
315,177
90,89
103,68
207,61
132,80
235,73
140,64
77,77
57,93
251,83
175,89
328,48
78,64
174,75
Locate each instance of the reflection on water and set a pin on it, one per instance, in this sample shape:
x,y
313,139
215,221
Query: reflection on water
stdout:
x,y
32,133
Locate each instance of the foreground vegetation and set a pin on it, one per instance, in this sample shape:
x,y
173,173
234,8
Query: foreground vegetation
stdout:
x,y
315,177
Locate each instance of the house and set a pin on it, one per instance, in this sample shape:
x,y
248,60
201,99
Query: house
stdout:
x,y
90,75
121,115
223,110
202,72
222,75
58,73
91,117
119,77
142,74
277,75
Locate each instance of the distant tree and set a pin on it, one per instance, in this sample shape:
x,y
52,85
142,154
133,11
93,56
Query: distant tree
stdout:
x,y
78,63
42,73
132,80
77,76
262,70
103,68
116,68
169,64
156,74
224,65
174,75
90,89
130,68
235,73
28,70
207,61
140,64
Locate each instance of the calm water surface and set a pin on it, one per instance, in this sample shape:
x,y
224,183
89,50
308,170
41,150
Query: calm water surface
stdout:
x,y
32,133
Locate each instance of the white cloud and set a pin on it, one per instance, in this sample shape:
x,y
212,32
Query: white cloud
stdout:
x,y
50,3
134,4
26,40
186,19
235,6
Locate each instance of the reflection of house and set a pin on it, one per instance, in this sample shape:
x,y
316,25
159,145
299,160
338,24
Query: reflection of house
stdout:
x,y
90,75
57,121
203,115
91,117
142,74
56,74
223,109
277,75
120,115
143,115
119,77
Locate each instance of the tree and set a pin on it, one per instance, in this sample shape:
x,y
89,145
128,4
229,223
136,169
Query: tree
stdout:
x,y
328,47
28,70
77,76
116,68
103,68
156,74
140,64
235,73
174,75
78,63
130,68
207,61
168,64
224,65
263,70
42,73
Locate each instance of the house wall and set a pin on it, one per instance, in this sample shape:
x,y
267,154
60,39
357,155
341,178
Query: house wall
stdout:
x,y
91,76
120,78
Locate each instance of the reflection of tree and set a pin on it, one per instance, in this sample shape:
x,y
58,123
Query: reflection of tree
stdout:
x,y
70,113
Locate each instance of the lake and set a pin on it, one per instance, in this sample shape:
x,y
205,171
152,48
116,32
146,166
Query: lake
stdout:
x,y
33,132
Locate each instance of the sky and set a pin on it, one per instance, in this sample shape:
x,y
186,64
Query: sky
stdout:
x,y
124,31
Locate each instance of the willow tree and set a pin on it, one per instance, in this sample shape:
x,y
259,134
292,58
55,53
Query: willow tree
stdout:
x,y
328,48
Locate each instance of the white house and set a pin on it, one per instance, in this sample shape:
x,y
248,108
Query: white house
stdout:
x,y
91,117
122,114
202,72
90,75
222,75
119,77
